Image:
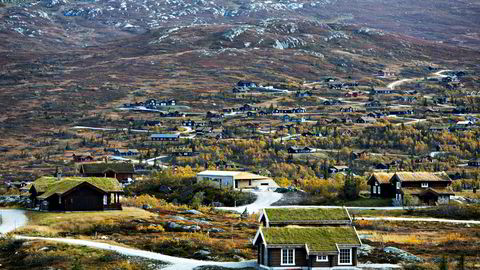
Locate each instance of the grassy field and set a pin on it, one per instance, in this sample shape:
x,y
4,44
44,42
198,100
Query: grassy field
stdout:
x,y
32,255
428,240
149,230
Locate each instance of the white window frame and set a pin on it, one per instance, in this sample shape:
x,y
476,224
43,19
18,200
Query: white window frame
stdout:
x,y
350,257
374,190
424,184
398,196
399,185
322,258
288,250
105,200
378,189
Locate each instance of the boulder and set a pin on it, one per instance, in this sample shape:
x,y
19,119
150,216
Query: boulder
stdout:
x,y
202,252
215,230
365,250
402,254
191,212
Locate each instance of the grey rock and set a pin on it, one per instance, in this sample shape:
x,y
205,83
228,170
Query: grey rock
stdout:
x,y
403,255
216,230
192,212
203,252
365,249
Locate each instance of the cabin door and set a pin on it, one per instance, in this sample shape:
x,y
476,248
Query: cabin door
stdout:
x,y
236,183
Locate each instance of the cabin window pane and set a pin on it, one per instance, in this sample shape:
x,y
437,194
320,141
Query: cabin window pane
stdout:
x,y
399,185
345,256
322,258
288,256
378,190
374,190
424,185
105,199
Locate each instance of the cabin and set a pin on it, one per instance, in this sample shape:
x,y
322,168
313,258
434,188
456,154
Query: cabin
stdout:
x,y
246,84
184,153
188,123
76,194
236,179
152,123
385,73
337,169
120,171
474,162
366,120
126,152
331,102
164,137
349,109
82,157
402,112
429,188
375,115
359,154
380,186
306,238
382,91
297,150
303,94
373,104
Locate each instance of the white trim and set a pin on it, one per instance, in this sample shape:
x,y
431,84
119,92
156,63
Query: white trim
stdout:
x,y
348,214
424,184
264,214
339,256
293,257
323,259
259,233
358,237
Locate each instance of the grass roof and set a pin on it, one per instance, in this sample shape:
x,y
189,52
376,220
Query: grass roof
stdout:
x,y
65,184
317,239
382,177
422,176
306,214
120,167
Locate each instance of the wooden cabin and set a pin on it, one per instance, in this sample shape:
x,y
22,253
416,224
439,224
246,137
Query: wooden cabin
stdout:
x,y
120,171
320,239
76,194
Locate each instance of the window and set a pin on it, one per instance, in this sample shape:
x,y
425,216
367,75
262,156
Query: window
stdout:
x,y
288,257
378,190
249,182
345,256
424,185
374,190
322,258
105,200
398,196
399,185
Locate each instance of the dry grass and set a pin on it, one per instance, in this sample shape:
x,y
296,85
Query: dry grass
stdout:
x,y
418,238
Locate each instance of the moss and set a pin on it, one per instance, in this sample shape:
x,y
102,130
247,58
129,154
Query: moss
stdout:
x,y
288,214
316,238
52,186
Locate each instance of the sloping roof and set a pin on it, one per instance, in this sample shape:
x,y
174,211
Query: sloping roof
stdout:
x,y
317,239
236,174
64,185
280,215
382,178
104,167
422,176
421,191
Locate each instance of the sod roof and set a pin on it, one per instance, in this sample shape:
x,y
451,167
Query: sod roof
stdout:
x,y
422,176
51,185
104,167
382,177
305,214
317,239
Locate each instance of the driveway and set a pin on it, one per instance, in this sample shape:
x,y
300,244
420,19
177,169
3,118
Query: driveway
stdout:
x,y
264,199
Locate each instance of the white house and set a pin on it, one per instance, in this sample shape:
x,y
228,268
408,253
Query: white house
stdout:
x,y
235,179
